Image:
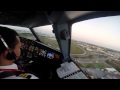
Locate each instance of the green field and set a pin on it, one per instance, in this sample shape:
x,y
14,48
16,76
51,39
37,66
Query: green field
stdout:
x,y
75,49
27,35
96,65
100,65
49,41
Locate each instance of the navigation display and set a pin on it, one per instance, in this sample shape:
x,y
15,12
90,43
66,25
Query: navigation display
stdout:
x,y
43,52
50,55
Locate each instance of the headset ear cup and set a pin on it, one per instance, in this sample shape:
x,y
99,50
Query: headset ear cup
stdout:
x,y
11,56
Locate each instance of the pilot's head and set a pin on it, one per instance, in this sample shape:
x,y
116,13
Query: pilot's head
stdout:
x,y
12,40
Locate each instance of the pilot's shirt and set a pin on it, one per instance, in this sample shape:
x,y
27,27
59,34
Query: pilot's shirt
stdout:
x,y
15,67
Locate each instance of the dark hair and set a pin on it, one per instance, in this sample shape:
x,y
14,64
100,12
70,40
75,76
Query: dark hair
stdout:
x,y
9,36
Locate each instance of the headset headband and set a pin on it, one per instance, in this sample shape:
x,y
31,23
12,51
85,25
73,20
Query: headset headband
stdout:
x,y
5,44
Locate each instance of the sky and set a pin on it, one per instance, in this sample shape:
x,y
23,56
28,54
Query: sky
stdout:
x,y
45,30
103,31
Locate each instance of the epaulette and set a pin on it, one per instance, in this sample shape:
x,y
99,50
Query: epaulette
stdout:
x,y
24,75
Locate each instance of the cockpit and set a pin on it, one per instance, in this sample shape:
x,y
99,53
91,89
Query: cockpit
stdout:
x,y
47,40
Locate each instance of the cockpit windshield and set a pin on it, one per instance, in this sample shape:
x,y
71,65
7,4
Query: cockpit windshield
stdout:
x,y
22,31
46,35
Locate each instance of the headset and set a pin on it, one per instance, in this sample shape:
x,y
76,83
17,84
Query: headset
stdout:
x,y
11,55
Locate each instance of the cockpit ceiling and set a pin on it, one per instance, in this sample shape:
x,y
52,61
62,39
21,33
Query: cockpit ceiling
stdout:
x,y
40,18
34,18
23,18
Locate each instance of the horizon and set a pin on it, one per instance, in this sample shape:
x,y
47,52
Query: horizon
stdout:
x,y
96,45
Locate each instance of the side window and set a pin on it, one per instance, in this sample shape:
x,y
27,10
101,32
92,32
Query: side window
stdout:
x,y
46,35
96,43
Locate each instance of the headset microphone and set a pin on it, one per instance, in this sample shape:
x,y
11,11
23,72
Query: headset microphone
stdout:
x,y
11,55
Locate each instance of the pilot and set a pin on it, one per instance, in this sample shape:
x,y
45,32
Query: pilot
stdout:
x,y
10,50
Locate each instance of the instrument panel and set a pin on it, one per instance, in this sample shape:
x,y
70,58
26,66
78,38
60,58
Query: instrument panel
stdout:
x,y
33,51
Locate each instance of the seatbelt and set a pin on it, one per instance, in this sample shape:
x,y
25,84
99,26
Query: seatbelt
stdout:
x,y
6,74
